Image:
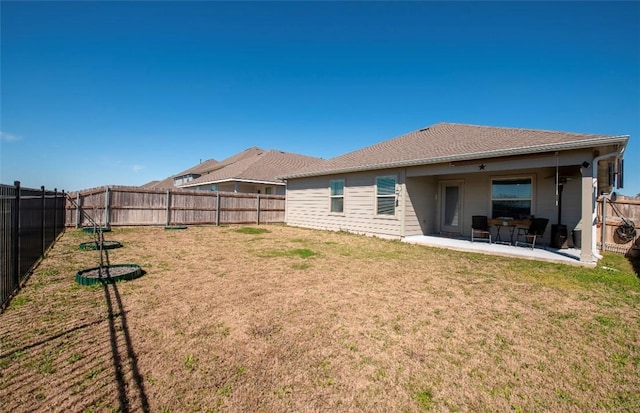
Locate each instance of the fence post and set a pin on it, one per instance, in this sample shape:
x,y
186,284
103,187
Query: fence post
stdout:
x,y
217,208
106,207
44,217
16,236
258,210
168,207
78,213
55,213
63,222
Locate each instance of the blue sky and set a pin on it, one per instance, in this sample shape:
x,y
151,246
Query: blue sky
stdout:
x,y
98,93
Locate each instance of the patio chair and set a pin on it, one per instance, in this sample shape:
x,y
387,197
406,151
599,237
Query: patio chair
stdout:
x,y
533,233
480,227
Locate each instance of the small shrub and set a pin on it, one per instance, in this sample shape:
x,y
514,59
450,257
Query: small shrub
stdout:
x,y
303,252
224,390
190,362
423,398
252,231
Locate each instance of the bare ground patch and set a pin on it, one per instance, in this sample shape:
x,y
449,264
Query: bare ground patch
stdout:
x,y
301,320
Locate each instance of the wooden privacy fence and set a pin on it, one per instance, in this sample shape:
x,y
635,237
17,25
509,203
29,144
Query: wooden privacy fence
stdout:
x,y
113,205
610,217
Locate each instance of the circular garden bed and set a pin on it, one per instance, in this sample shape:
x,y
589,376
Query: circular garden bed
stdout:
x,y
108,274
106,245
92,230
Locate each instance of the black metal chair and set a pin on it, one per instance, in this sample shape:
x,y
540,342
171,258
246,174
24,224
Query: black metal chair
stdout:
x,y
533,233
480,227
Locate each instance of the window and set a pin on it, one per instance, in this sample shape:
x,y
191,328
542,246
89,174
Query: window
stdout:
x,y
511,198
268,190
386,195
214,187
337,195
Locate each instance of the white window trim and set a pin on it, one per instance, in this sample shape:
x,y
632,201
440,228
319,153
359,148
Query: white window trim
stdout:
x,y
331,197
508,178
394,195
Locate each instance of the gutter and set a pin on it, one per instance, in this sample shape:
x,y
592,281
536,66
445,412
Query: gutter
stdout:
x,y
220,181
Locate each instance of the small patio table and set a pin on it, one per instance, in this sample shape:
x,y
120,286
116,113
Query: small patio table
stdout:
x,y
511,225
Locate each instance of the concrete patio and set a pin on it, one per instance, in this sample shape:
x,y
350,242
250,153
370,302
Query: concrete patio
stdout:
x,y
569,256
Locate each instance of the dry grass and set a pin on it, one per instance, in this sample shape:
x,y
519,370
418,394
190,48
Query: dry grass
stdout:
x,y
301,320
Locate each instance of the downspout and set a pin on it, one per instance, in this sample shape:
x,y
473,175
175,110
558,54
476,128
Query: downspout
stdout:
x,y
594,176
403,202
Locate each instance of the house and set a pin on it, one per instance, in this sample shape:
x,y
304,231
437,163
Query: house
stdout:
x,y
184,176
253,170
433,180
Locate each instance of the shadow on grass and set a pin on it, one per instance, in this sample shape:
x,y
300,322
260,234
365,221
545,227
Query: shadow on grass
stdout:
x,y
57,336
116,312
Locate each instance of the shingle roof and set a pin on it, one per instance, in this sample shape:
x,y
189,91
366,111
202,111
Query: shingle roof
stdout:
x,y
202,167
165,183
150,185
205,167
446,142
256,165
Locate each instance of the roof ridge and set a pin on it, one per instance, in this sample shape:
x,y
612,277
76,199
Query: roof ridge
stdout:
x,y
516,128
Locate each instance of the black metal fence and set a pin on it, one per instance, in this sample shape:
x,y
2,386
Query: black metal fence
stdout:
x,y
30,222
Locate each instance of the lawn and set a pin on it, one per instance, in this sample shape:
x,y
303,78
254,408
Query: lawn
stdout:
x,y
276,319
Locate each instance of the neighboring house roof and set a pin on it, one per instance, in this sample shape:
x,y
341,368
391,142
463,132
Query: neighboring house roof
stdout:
x,y
256,166
150,185
200,168
448,142
206,167
165,183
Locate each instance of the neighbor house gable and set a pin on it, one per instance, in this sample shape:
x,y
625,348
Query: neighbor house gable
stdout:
x,y
261,167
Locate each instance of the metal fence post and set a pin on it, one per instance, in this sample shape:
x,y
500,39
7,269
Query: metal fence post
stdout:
x,y
16,236
55,213
44,218
63,222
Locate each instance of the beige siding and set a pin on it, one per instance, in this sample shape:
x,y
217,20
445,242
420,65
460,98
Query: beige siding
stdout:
x,y
421,205
308,205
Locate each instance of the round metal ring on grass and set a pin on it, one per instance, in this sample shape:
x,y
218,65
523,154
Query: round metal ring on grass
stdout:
x,y
108,274
175,227
91,230
106,245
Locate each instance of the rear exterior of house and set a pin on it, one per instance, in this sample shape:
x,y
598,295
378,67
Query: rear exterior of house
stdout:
x,y
395,195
